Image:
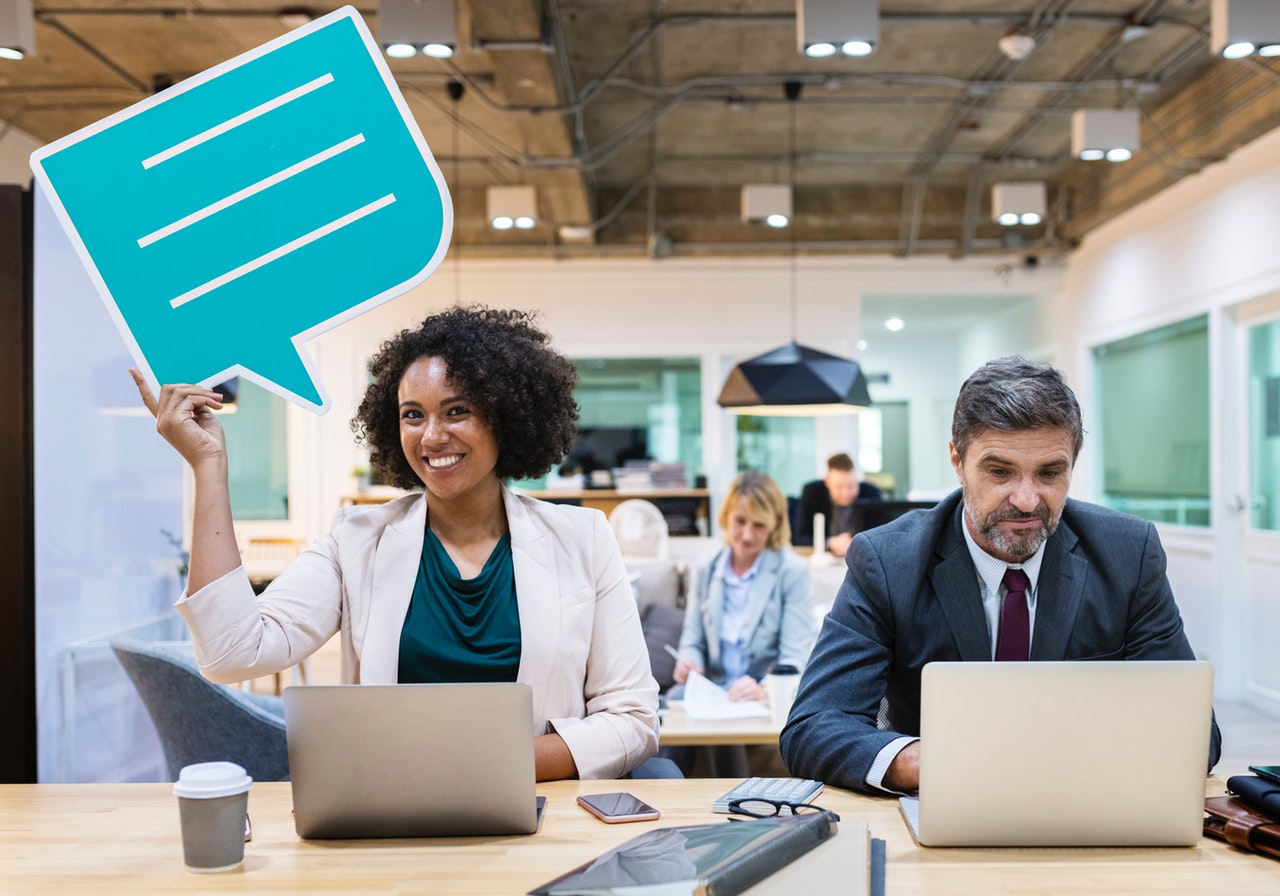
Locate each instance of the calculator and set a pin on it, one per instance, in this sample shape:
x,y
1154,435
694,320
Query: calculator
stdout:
x,y
786,790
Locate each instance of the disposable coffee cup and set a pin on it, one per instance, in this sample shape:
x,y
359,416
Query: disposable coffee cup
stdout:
x,y
213,801
780,685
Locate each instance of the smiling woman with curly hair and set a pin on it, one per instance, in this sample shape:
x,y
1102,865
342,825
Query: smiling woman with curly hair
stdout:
x,y
503,366
465,581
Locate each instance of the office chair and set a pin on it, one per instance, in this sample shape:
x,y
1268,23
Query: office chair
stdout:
x,y
641,529
199,721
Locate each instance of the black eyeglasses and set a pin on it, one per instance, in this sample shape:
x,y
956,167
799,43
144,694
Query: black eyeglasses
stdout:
x,y
755,807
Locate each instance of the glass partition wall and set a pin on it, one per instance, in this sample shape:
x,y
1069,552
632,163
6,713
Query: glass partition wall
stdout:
x,y
1153,401
1264,426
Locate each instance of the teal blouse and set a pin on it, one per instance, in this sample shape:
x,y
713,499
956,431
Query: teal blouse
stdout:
x,y
459,630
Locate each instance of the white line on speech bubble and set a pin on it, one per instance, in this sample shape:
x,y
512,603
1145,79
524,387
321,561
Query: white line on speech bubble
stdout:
x,y
242,118
251,190
291,246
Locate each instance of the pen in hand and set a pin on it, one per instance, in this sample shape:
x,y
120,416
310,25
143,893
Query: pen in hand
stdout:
x,y
671,650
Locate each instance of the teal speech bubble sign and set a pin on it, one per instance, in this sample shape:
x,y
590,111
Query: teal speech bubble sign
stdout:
x,y
233,217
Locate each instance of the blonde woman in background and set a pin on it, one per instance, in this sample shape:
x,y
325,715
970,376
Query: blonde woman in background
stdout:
x,y
750,608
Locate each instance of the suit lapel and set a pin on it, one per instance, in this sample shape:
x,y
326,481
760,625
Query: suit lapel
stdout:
x,y
537,596
765,583
956,585
714,609
1059,592
395,571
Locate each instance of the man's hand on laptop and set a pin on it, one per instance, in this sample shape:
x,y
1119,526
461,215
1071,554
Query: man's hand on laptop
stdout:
x,y
903,774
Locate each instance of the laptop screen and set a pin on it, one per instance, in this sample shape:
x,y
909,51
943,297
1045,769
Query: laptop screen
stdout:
x,y
411,760
1063,753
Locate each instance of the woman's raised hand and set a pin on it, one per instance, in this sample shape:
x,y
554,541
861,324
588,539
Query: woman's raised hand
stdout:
x,y
184,416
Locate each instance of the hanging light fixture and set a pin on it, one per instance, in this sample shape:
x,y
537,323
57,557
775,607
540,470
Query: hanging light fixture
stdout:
x,y
795,380
455,91
17,29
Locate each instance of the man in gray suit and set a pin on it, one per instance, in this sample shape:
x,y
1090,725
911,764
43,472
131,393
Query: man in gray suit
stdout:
x,y
930,585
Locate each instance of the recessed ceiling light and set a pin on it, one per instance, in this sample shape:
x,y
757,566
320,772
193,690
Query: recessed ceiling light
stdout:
x,y
1017,45
856,48
295,16
894,324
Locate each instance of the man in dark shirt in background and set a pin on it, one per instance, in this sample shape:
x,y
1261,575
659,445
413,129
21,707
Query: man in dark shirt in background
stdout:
x,y
833,497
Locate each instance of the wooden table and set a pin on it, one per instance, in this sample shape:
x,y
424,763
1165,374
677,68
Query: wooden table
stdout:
x,y
63,839
678,730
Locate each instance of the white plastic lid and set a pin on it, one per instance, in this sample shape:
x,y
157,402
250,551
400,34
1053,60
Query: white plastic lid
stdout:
x,y
209,780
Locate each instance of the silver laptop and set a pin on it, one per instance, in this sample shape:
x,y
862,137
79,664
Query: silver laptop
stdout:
x,y
1062,754
411,760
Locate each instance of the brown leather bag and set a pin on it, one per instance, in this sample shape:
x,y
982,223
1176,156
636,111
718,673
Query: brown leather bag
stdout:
x,y
1231,819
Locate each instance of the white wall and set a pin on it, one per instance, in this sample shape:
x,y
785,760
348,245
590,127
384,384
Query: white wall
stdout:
x,y
1205,246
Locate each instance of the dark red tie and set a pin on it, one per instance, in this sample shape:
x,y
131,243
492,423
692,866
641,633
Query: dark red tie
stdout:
x,y
1014,640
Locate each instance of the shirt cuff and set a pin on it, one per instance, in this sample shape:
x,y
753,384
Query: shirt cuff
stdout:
x,y
890,751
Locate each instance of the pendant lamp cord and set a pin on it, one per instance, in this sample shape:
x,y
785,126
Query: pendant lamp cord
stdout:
x,y
792,89
455,89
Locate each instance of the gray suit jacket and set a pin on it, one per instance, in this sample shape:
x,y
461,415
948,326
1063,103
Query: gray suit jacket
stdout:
x,y
911,596
779,608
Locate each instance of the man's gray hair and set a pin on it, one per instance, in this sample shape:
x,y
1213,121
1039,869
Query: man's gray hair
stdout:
x,y
1012,395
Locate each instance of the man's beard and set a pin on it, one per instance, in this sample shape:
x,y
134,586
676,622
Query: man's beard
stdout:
x,y
1020,544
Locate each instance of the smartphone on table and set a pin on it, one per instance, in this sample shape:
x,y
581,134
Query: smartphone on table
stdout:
x,y
1270,772
613,808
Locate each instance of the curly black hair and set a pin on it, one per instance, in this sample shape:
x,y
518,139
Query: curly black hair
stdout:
x,y
501,364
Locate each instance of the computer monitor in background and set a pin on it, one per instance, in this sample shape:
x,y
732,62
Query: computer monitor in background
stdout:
x,y
869,514
606,447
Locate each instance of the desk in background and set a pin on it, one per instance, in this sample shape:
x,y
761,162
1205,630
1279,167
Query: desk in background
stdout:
x,y
678,730
688,506
64,839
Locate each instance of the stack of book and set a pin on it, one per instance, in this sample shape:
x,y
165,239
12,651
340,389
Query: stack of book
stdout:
x,y
634,477
668,475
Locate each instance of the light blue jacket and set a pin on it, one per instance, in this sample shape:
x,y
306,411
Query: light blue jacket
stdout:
x,y
779,609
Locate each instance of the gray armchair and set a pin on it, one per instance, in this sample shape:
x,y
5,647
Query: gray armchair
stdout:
x,y
199,721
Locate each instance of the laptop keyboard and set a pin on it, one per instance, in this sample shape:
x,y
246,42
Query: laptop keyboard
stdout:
x,y
786,790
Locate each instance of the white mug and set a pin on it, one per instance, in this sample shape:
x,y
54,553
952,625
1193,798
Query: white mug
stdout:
x,y
781,688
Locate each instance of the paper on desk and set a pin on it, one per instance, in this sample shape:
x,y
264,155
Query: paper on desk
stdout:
x,y
705,700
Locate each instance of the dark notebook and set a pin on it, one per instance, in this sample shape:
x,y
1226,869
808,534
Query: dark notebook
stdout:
x,y
720,859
